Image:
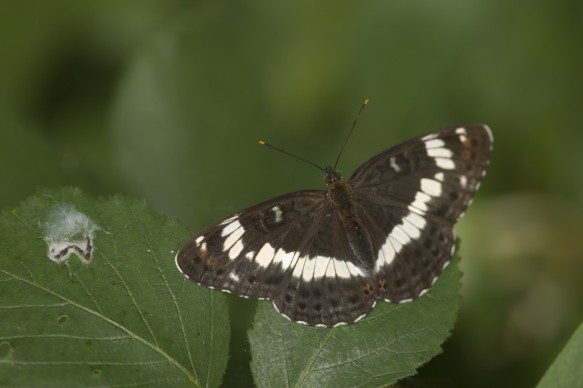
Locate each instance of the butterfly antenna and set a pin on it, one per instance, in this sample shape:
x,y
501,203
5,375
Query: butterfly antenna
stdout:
x,y
263,142
364,104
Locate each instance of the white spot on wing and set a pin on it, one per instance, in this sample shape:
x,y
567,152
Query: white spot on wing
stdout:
x,y
307,268
395,243
233,236
199,240
229,220
416,220
429,137
299,267
461,131
409,229
354,270
331,270
435,143
431,187
420,202
308,272
322,265
439,176
463,181
341,269
278,258
230,228
236,250
394,164
439,153
386,255
234,276
286,259
278,214
294,260
398,234
265,255
446,164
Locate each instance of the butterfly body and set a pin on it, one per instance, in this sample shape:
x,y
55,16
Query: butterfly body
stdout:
x,y
340,194
326,257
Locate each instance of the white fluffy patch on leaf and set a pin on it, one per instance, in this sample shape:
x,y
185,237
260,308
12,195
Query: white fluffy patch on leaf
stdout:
x,y
68,231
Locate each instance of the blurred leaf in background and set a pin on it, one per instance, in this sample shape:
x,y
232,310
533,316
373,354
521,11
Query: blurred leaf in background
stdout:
x,y
166,100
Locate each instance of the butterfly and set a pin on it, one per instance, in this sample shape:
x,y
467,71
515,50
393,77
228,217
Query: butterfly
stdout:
x,y
325,257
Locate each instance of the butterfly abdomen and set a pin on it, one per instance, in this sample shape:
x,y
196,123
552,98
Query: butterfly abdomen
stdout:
x,y
358,237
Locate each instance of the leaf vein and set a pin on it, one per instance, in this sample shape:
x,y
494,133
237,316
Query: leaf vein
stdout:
x,y
146,343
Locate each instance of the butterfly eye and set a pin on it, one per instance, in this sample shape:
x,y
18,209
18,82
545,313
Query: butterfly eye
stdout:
x,y
332,176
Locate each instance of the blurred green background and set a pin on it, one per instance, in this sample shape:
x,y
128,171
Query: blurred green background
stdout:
x,y
166,100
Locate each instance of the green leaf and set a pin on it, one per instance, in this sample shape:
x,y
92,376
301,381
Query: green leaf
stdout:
x,y
389,344
106,306
566,370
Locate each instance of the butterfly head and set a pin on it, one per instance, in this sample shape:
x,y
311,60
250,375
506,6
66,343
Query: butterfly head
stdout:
x,y
332,175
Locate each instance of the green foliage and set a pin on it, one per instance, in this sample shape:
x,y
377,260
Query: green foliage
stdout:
x,y
566,371
166,100
126,317
120,313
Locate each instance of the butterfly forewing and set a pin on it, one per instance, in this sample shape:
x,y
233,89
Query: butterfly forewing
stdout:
x,y
413,194
445,165
285,249
295,249
237,254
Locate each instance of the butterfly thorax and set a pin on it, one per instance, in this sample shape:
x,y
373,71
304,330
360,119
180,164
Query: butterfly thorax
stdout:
x,y
340,194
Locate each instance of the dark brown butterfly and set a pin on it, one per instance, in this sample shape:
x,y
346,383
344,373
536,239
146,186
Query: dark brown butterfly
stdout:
x,y
326,257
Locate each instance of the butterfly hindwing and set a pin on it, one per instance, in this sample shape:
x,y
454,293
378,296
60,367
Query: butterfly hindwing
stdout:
x,y
325,282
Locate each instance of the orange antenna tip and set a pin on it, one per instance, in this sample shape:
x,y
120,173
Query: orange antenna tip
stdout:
x,y
262,142
365,102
